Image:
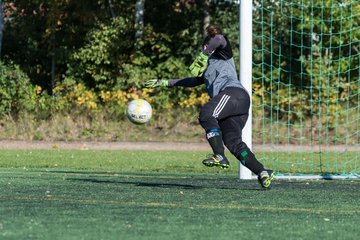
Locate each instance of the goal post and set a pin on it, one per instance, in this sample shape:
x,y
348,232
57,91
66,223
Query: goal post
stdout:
x,y
245,71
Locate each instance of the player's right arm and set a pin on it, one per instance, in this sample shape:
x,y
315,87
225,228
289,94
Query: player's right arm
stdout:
x,y
182,82
218,41
186,82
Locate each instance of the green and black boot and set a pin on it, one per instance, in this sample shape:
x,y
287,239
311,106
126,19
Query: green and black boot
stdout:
x,y
216,160
265,178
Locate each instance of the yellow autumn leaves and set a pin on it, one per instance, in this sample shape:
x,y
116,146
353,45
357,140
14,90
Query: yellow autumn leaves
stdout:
x,y
82,96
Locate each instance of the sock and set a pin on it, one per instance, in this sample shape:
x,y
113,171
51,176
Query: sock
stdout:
x,y
248,159
215,140
264,173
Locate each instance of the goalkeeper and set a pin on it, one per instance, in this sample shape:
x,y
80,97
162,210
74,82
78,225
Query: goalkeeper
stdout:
x,y
225,115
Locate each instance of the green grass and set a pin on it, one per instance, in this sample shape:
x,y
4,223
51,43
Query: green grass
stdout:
x,y
68,194
174,161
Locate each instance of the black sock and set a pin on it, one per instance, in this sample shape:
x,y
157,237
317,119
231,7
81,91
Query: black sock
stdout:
x,y
215,140
248,159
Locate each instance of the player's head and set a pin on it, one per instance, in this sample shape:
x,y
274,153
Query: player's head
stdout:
x,y
213,30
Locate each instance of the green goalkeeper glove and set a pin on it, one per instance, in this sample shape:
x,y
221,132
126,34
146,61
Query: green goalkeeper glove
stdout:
x,y
198,67
153,83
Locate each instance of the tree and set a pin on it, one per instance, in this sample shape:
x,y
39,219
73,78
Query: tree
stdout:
x,y
1,24
57,29
139,19
207,16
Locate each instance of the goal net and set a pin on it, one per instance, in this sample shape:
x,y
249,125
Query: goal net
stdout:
x,y
306,86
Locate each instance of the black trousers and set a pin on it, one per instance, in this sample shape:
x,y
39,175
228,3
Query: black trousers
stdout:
x,y
228,112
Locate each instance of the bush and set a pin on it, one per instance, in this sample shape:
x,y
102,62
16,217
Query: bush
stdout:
x,y
98,64
16,92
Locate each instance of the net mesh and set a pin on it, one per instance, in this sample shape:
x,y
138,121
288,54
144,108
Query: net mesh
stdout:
x,y
306,86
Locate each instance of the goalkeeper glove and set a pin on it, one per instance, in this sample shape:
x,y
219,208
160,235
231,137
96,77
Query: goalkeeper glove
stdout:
x,y
198,67
153,83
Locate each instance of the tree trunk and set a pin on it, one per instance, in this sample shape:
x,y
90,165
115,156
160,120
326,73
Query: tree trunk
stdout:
x,y
1,24
207,17
139,19
111,5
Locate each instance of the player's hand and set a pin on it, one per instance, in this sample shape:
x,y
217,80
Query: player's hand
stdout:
x,y
198,67
153,83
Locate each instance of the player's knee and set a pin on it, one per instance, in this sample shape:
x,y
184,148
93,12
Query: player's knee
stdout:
x,y
213,133
207,121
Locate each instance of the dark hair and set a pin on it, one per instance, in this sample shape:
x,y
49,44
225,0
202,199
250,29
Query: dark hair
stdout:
x,y
213,30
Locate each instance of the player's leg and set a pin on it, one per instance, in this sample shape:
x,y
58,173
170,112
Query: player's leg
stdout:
x,y
231,101
231,128
232,136
208,119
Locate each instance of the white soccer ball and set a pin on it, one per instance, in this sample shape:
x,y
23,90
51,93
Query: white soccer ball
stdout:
x,y
139,111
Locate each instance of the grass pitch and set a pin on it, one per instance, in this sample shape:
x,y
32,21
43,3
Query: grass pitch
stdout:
x,y
67,194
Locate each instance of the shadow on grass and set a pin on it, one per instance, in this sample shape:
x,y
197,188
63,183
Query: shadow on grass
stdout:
x,y
84,172
204,184
156,180
138,184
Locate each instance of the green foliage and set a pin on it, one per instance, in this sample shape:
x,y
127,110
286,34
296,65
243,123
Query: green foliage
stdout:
x,y
16,91
182,21
152,59
100,61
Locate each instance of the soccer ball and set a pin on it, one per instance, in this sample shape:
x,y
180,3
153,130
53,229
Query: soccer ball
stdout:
x,y
139,111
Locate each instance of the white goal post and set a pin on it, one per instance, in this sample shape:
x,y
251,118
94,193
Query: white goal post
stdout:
x,y
245,71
